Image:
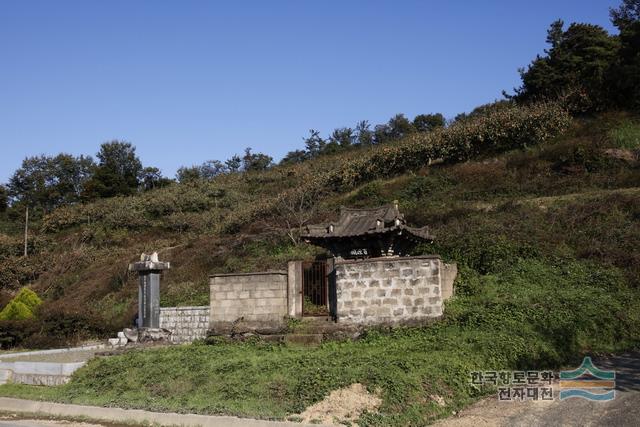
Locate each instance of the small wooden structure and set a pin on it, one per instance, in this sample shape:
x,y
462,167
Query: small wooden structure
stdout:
x,y
367,233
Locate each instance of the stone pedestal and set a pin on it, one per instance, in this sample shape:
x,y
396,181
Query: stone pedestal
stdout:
x,y
149,270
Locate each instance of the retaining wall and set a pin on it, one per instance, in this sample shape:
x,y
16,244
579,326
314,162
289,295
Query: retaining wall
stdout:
x,y
186,324
383,290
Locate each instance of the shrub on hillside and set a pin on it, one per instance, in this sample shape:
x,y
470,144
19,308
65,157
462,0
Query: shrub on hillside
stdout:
x,y
143,210
54,327
14,332
22,306
13,246
16,310
29,298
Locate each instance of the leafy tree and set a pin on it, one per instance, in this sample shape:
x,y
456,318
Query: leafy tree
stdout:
x,y
626,14
314,143
48,182
331,147
292,157
151,177
206,171
117,172
234,163
626,76
364,135
4,198
400,126
343,137
575,67
382,134
212,168
188,174
255,161
428,122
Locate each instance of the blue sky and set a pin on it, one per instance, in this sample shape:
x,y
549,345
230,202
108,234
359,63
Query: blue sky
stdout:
x,y
188,81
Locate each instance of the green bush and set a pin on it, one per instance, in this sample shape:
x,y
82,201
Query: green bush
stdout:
x,y
29,298
16,310
22,306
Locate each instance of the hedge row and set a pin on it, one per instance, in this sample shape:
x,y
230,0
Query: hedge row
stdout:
x,y
162,208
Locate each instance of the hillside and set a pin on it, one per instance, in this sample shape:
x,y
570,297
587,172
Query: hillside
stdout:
x,y
499,187
541,214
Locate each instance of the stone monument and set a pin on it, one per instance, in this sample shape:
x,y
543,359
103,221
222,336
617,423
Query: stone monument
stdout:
x,y
149,271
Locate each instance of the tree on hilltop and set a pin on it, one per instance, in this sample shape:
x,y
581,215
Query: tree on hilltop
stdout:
x,y
117,172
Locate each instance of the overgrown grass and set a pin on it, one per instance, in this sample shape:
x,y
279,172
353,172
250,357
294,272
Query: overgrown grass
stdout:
x,y
627,135
531,314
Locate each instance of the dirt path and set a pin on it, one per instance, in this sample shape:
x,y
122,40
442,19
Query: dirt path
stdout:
x,y
624,410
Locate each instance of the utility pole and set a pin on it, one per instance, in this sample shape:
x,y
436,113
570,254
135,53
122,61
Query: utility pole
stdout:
x,y
26,230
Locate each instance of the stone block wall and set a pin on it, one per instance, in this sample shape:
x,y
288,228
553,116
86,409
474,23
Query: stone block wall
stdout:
x,y
258,298
186,324
389,290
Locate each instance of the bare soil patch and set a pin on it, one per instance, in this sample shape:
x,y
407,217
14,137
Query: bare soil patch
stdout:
x,y
342,406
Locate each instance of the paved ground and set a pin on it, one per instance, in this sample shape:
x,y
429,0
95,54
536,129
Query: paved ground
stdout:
x,y
624,410
114,417
47,423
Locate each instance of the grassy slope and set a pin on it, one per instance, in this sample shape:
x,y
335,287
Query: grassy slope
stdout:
x,y
547,242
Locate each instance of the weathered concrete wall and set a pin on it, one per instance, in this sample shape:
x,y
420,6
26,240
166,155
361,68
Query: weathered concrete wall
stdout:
x,y
254,298
186,324
449,273
37,373
384,290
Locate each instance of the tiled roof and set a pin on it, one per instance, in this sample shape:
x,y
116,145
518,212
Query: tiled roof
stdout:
x,y
359,222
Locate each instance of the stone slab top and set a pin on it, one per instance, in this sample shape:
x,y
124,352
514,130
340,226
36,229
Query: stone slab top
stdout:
x,y
257,273
149,266
386,259
186,308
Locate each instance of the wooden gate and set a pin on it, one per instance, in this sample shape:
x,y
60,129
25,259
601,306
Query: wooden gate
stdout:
x,y
315,292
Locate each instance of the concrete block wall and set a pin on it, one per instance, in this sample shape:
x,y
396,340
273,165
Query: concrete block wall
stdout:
x,y
186,324
389,290
252,297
